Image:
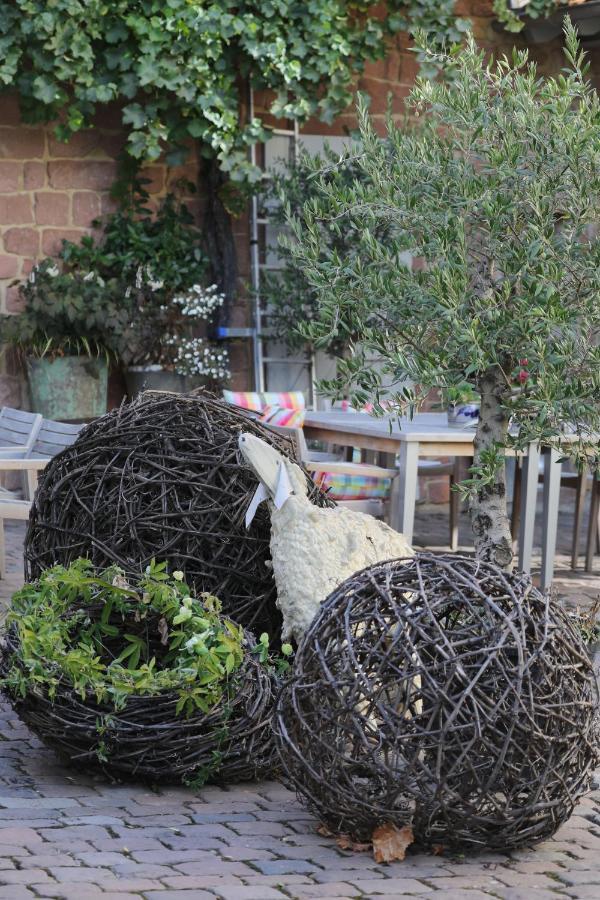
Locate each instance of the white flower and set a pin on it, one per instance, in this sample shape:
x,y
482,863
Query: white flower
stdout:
x,y
53,271
178,575
89,277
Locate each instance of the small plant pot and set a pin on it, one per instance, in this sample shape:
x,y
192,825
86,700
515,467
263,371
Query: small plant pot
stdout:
x,y
68,388
463,415
586,18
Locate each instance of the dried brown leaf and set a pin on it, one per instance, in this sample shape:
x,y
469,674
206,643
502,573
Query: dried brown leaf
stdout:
x,y
390,842
345,842
324,830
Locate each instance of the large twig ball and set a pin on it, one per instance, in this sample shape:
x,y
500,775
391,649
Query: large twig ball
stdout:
x,y
444,693
162,478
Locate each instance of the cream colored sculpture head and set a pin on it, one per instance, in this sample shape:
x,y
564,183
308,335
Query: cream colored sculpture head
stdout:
x,y
313,549
266,463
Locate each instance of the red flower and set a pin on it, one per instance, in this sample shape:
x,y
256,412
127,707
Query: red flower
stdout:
x,y
522,362
523,376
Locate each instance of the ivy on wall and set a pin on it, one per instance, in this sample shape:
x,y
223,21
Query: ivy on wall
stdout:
x,y
179,67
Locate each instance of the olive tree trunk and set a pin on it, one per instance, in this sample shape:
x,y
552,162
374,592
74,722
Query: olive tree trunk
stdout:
x,y
489,515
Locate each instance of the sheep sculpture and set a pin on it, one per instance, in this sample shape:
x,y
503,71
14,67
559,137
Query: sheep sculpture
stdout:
x,y
313,550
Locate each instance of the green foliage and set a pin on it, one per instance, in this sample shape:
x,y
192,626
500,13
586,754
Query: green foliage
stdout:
x,y
497,190
110,656
291,299
536,9
156,270
66,312
179,68
166,242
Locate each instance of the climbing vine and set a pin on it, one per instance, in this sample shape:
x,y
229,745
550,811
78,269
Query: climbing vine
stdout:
x,y
179,67
179,71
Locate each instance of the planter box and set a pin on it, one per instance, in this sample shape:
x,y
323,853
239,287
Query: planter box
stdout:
x,y
586,17
68,388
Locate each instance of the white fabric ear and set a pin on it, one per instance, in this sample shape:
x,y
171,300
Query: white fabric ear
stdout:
x,y
284,489
260,494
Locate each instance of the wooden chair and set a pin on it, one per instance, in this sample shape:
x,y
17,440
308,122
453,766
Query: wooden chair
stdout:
x,y
29,458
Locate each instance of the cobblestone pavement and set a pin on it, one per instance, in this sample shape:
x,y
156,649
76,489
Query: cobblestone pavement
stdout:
x,y
69,835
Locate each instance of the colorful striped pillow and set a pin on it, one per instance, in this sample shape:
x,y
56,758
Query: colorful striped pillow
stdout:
x,y
259,401
353,487
278,415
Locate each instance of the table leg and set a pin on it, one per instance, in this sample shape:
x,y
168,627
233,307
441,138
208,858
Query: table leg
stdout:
x,y
552,473
529,485
404,490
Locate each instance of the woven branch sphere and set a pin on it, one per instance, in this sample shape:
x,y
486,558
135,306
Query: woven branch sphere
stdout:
x,y
162,478
441,692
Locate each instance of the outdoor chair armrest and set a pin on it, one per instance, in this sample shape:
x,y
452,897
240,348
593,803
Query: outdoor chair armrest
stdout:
x,y
23,465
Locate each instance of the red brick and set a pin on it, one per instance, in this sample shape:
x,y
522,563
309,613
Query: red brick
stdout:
x,y
71,174
9,266
51,208
21,142
9,176
15,209
34,175
379,92
24,241
14,301
86,207
26,267
10,114
52,239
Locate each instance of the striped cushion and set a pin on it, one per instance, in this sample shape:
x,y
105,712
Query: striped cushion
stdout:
x,y
258,401
278,415
353,487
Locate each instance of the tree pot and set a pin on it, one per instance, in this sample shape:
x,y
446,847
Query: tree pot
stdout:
x,y
155,378
68,388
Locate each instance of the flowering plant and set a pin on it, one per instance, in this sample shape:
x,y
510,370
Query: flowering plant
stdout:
x,y
65,313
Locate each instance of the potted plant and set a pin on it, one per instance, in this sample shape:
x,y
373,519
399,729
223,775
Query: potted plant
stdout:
x,y
156,262
65,334
541,21
463,405
138,676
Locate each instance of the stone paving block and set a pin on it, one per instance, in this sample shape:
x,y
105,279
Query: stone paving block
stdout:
x,y
171,857
333,889
391,887
251,854
202,882
16,892
581,876
135,841
286,866
18,835
531,880
328,875
71,891
276,829
287,881
247,892
24,876
129,869
526,894
75,832
179,895
457,882
215,866
37,802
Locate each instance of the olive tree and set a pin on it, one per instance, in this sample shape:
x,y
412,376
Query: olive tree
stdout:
x,y
495,188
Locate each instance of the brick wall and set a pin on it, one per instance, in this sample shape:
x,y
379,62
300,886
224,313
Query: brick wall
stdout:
x,y
51,190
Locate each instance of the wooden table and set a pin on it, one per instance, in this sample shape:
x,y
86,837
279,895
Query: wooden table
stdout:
x,y
428,435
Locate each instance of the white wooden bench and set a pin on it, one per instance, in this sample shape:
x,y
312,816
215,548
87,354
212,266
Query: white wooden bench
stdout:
x,y
27,444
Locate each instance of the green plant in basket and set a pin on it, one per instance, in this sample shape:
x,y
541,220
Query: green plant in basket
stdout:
x,y
138,675
101,636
